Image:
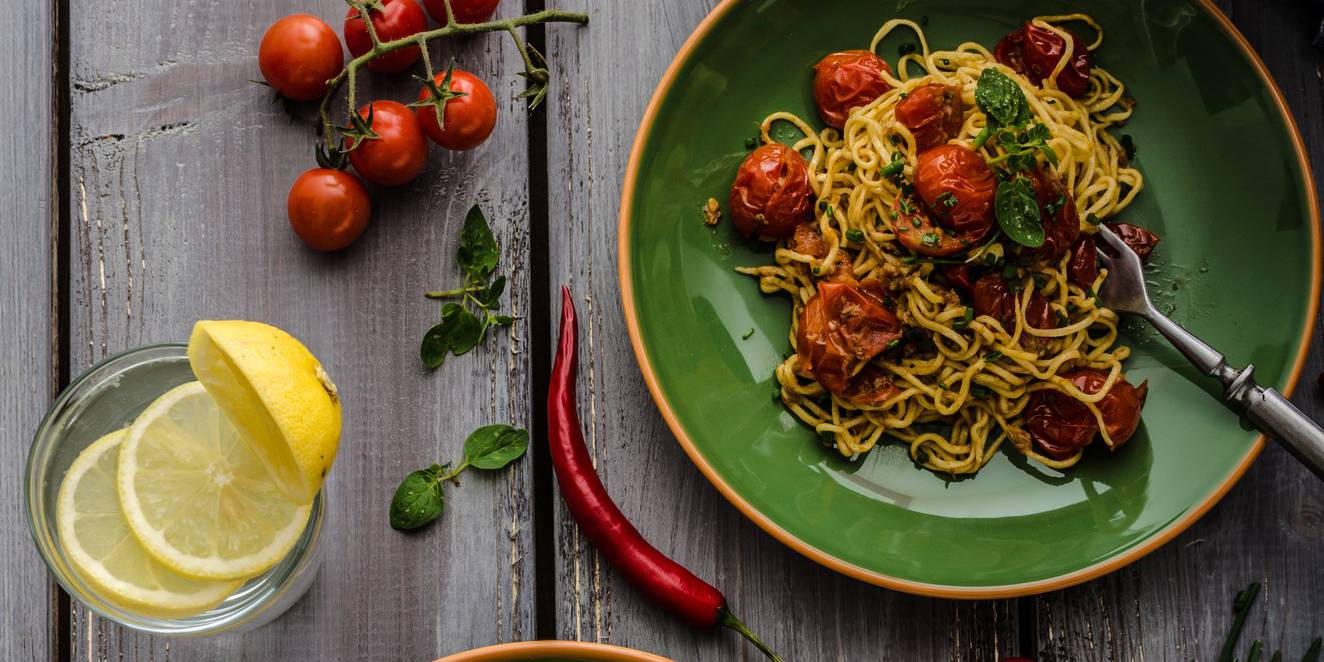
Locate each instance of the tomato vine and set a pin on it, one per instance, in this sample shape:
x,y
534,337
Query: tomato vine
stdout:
x,y
535,66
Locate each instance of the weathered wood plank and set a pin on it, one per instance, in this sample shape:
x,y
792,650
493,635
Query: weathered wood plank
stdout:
x,y
604,76
180,170
27,359
1176,603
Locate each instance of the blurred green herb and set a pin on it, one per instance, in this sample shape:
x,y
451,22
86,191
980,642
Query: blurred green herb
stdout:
x,y
464,324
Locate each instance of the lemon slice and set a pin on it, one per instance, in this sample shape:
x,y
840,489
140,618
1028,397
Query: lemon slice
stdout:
x,y
196,495
105,553
276,393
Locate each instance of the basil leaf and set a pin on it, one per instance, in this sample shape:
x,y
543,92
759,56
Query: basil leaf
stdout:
x,y
1018,212
503,320
478,248
466,331
492,295
439,339
418,500
1001,98
495,446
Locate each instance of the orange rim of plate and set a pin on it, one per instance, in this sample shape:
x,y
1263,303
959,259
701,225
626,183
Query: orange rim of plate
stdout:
x,y
923,588
537,650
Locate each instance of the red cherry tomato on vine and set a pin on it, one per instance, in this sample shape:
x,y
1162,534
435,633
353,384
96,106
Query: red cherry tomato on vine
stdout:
x,y
396,19
466,11
399,152
847,80
958,187
328,209
468,119
298,55
771,194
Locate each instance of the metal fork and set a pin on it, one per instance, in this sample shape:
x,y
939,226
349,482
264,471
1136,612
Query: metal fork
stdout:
x,y
1124,291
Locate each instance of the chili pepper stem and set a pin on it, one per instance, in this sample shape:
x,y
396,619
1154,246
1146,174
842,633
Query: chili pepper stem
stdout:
x,y
728,620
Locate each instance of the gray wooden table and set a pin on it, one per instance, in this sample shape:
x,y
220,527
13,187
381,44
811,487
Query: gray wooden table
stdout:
x,y
142,186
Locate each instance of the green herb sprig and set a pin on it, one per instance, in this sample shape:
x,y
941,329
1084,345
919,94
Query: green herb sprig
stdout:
x,y
1241,609
464,324
420,499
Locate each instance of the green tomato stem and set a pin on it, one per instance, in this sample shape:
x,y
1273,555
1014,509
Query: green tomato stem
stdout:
x,y
421,39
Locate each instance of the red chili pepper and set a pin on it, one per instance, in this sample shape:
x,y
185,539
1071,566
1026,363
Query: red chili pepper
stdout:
x,y
664,581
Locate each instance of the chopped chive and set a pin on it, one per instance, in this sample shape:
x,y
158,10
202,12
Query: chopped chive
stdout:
x,y
965,319
1241,608
748,333
1093,218
993,356
894,168
854,235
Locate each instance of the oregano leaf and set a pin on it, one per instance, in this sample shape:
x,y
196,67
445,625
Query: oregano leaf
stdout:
x,y
418,500
495,446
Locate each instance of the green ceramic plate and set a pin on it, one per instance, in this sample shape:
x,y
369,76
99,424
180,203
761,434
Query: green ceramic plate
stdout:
x,y
1226,187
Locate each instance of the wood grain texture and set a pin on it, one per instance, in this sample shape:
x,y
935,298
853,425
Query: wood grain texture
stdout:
x,y
1176,604
180,171
26,359
604,76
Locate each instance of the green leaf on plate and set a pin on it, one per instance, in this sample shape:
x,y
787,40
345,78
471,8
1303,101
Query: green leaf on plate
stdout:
x,y
1001,98
1018,212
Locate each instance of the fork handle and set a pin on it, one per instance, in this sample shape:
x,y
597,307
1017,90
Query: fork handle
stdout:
x,y
1265,408
1275,416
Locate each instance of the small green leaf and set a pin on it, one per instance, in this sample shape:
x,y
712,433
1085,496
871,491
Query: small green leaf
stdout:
x,y
495,446
478,248
1001,98
418,500
1018,212
492,295
439,339
503,320
466,331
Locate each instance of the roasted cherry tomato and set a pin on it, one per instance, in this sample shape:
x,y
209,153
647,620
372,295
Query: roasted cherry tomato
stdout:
x,y
961,276
399,152
993,297
1083,267
468,119
958,187
328,209
808,241
1057,212
466,11
771,194
846,80
1061,425
932,113
916,230
396,19
842,327
871,387
1140,240
298,55
1034,52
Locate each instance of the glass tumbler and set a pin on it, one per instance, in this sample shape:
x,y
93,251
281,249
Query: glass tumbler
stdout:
x,y
107,398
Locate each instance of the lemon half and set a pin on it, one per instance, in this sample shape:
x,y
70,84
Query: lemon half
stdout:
x,y
105,553
277,394
196,495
